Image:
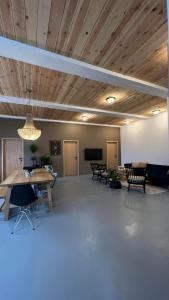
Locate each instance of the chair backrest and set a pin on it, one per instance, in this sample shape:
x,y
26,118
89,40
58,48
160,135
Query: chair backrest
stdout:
x,y
94,166
102,167
29,169
136,172
139,171
22,195
129,172
49,168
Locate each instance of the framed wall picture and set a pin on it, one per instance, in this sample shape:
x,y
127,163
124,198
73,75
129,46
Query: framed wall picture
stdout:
x,y
55,147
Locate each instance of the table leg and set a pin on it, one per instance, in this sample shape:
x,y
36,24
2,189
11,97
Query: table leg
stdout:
x,y
49,196
7,204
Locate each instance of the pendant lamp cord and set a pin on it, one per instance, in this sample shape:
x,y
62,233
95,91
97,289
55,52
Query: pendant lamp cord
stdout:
x,y
30,108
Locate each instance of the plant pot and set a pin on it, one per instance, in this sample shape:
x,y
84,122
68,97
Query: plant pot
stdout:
x,y
115,184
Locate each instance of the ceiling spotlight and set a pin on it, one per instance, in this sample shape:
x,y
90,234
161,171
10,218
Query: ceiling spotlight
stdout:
x,y
127,121
110,99
156,111
84,118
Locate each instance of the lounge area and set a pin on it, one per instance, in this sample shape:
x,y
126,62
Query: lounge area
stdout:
x,y
84,150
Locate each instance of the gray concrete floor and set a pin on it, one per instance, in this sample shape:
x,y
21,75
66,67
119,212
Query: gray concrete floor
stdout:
x,y
97,244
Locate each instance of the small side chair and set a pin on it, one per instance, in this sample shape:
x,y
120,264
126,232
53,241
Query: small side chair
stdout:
x,y
95,171
23,196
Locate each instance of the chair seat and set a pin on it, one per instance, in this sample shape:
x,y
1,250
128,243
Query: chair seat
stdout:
x,y
105,174
54,174
96,172
136,179
41,193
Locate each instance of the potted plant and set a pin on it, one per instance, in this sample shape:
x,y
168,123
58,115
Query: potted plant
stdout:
x,y
34,149
45,160
115,180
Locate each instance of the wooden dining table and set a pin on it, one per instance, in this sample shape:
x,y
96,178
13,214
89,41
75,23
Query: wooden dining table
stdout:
x,y
18,177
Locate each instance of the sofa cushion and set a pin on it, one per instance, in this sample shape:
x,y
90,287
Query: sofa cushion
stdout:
x,y
139,164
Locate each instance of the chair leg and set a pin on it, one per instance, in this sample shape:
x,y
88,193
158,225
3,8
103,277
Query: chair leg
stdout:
x,y
129,187
29,220
144,187
22,212
34,209
18,219
18,216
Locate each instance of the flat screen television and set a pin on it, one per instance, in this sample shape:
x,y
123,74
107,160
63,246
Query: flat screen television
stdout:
x,y
93,154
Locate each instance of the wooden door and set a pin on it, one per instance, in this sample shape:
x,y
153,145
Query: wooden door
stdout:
x,y
112,158
12,156
71,158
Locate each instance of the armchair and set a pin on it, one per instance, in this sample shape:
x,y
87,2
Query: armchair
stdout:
x,y
136,178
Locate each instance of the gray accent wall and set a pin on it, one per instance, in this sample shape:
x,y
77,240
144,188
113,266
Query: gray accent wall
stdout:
x,y
88,136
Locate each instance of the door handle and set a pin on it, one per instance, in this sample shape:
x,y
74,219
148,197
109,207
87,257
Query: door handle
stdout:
x,y
20,158
75,157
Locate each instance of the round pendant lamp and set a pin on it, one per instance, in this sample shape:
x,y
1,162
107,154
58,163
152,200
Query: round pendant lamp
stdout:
x,y
29,131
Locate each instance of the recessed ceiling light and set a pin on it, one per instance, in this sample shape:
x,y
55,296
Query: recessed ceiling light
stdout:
x,y
126,121
156,111
84,118
110,99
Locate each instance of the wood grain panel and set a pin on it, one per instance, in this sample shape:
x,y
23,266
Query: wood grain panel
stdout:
x,y
6,17
127,36
70,158
17,77
57,10
112,159
20,110
12,155
18,9
43,21
119,34
31,12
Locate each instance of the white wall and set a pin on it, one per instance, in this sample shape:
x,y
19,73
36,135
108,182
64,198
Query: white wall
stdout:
x,y
146,140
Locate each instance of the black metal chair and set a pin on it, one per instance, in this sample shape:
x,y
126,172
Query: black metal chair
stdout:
x,y
40,189
23,196
54,174
102,168
105,175
95,171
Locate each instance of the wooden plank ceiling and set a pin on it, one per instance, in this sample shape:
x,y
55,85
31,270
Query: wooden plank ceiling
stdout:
x,y
127,36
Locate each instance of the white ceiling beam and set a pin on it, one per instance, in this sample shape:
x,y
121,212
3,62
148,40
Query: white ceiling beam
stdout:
x,y
59,121
68,107
53,61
